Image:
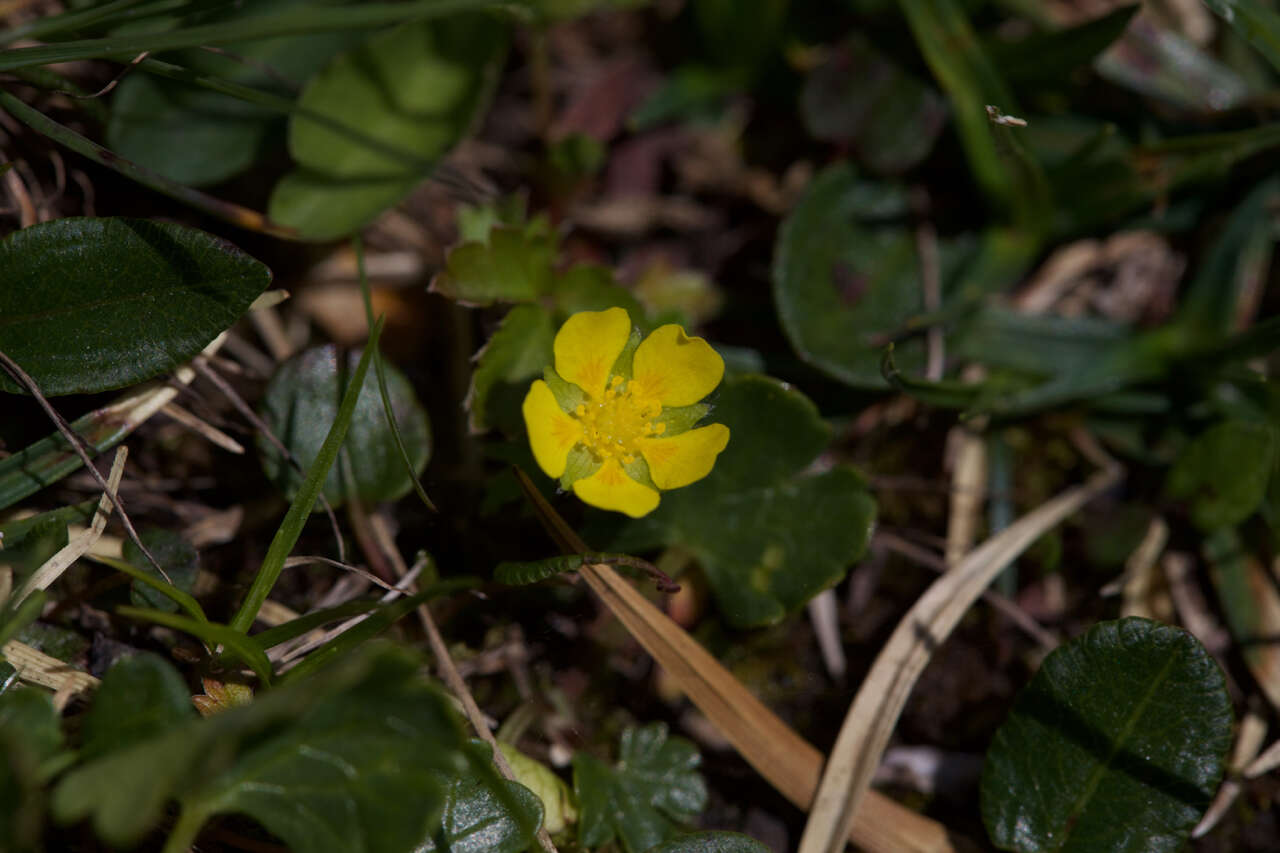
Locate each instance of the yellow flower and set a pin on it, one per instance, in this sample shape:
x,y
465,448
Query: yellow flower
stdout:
x,y
613,420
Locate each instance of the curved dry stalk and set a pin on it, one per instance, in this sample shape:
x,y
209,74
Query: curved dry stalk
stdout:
x,y
875,710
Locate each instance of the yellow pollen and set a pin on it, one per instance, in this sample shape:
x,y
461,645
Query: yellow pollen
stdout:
x,y
613,424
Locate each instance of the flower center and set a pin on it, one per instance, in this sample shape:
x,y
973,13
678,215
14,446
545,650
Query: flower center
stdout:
x,y
611,426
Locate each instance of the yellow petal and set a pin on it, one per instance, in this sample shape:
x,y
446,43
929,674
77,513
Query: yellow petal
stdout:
x,y
588,344
552,433
685,458
611,488
675,368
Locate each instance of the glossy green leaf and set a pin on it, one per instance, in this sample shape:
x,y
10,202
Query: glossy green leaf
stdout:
x,y
197,136
343,761
768,537
485,813
94,304
301,403
417,88
29,735
1117,744
859,97
1224,472
711,842
646,797
141,697
178,558
514,356
514,264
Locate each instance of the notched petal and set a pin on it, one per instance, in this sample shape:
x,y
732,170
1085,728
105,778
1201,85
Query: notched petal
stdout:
x,y
685,458
675,368
552,433
588,344
610,488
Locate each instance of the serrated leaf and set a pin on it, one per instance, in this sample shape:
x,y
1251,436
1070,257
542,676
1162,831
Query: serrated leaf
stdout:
x,y
515,354
141,697
768,538
1117,744
711,842
416,90
485,814
1224,472
339,762
513,265
645,797
178,558
301,403
94,304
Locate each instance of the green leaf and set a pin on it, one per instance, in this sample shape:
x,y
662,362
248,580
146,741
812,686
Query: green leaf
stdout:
x,y
178,558
1224,472
198,137
711,842
513,265
29,736
861,98
768,537
141,697
212,634
643,799
485,813
587,287
343,761
1257,22
301,402
514,356
1117,744
28,550
94,304
1049,58
841,287
558,807
417,88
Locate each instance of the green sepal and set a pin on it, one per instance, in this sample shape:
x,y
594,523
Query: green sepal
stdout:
x,y
580,463
638,470
681,418
622,365
568,395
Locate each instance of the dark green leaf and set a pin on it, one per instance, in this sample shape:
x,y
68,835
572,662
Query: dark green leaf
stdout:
x,y
1117,744
178,558
484,813
1224,472
196,136
141,697
535,571
1049,58
417,88
514,356
859,97
1257,22
711,842
301,403
29,735
643,799
767,538
335,763
94,304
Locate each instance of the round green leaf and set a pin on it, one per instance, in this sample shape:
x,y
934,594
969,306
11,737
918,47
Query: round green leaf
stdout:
x,y
1117,744
711,842
301,403
1224,472
141,697
94,304
841,286
178,558
400,101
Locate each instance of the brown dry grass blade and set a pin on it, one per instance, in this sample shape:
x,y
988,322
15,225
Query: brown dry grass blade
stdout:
x,y
787,761
871,719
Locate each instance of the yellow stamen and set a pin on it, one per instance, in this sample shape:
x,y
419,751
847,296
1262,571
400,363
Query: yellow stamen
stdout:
x,y
612,425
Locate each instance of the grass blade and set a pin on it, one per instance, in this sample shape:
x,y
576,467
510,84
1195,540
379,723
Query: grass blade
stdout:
x,y
287,536
211,633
